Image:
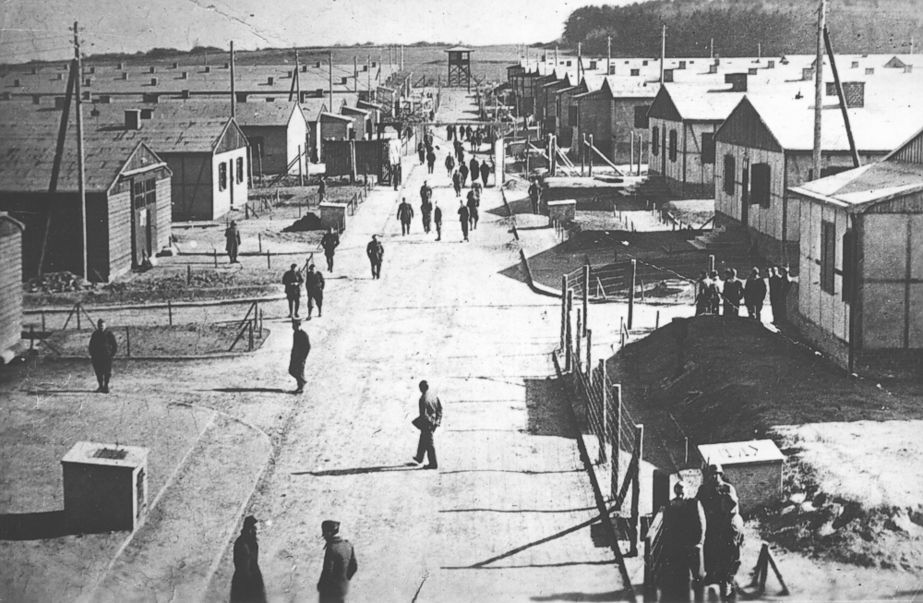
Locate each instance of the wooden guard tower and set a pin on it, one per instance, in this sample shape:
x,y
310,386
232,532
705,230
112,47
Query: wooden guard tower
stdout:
x,y
459,67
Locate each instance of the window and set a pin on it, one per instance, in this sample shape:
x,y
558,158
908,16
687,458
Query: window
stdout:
x,y
848,259
730,169
760,175
708,147
635,72
655,141
827,256
672,145
240,170
641,116
222,176
143,193
572,114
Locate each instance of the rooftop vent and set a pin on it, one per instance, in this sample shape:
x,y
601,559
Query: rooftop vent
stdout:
x,y
124,75
36,99
869,71
121,66
91,69
132,119
682,65
908,68
667,75
270,80
270,99
153,81
304,69
611,69
152,97
374,63
291,73
592,65
17,83
317,64
241,97
184,75
175,65
208,69
771,64
104,99
184,94
59,102
60,76
854,65
807,73
738,81
644,63
343,81
713,68
147,113
752,71
153,69
227,65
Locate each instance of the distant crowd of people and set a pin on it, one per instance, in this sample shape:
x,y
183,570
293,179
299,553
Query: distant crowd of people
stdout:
x,y
728,296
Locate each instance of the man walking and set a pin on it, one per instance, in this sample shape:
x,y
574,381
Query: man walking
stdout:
x,y
449,164
322,190
232,241
102,350
733,293
463,172
534,195
475,168
247,583
485,172
421,152
339,565
396,175
430,160
684,528
456,183
755,294
292,281
314,283
778,289
473,203
427,421
464,217
405,215
437,219
301,346
330,241
376,252
426,206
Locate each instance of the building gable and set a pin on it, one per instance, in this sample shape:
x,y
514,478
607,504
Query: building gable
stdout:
x,y
909,152
232,137
745,127
663,107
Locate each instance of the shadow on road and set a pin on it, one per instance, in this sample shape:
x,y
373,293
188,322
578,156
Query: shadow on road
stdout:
x,y
358,470
256,390
615,595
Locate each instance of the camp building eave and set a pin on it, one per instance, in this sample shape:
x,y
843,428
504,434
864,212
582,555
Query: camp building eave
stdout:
x,y
745,127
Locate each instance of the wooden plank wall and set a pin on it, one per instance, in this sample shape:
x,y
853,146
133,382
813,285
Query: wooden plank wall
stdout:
x,y
10,284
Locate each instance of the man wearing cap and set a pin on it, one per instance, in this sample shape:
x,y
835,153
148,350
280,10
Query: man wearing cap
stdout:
x,y
247,584
301,346
330,241
376,253
437,220
405,215
429,419
715,493
314,283
339,565
102,350
232,241
292,281
684,526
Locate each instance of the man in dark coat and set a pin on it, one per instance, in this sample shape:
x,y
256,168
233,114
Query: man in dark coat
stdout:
x,y
456,183
430,160
339,565
421,152
464,218
449,164
463,172
397,175
102,350
301,346
778,290
292,281
437,220
314,283
448,132
755,294
718,499
247,584
684,527
733,293
330,241
405,215
232,241
427,421
426,205
485,172
376,253
459,152
473,203
475,168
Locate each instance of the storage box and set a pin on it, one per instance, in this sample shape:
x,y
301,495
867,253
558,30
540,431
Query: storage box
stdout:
x,y
754,468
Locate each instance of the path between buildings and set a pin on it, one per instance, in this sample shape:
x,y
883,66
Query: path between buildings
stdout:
x,y
510,476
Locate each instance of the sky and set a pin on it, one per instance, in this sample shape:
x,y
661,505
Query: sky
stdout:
x,y
31,29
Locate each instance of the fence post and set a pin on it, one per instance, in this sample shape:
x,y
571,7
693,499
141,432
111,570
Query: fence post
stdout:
x,y
578,356
215,256
77,308
657,321
128,342
590,157
250,328
568,360
563,308
616,435
188,274
170,312
603,411
586,296
589,352
44,330
31,337
259,241
268,259
636,489
633,271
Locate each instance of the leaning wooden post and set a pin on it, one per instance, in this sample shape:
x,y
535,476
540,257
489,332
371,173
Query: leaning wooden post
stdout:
x,y
578,356
590,152
631,291
603,435
77,307
127,342
636,488
586,296
589,353
568,359
582,155
563,309
300,167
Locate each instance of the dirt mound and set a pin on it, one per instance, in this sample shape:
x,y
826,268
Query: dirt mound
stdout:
x,y
715,379
307,222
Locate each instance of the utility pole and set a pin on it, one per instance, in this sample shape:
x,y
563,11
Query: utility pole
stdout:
x,y
555,56
818,86
759,51
368,66
579,61
355,74
711,48
608,55
82,187
330,77
233,95
663,50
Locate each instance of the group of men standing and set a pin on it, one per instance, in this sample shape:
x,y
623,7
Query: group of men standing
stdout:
x,y
702,537
728,296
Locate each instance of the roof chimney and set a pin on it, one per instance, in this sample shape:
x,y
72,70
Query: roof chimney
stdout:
x,y
682,65
152,97
342,80
807,73
60,76
667,75
104,99
184,94
270,99
175,65
59,102
208,69
304,69
17,83
121,65
270,80
317,65
184,75
752,71
91,69
854,65
132,119
124,75
869,71
147,113
854,93
908,68
771,64
153,69
241,97
153,81
36,99
738,81
713,68
227,65
34,70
